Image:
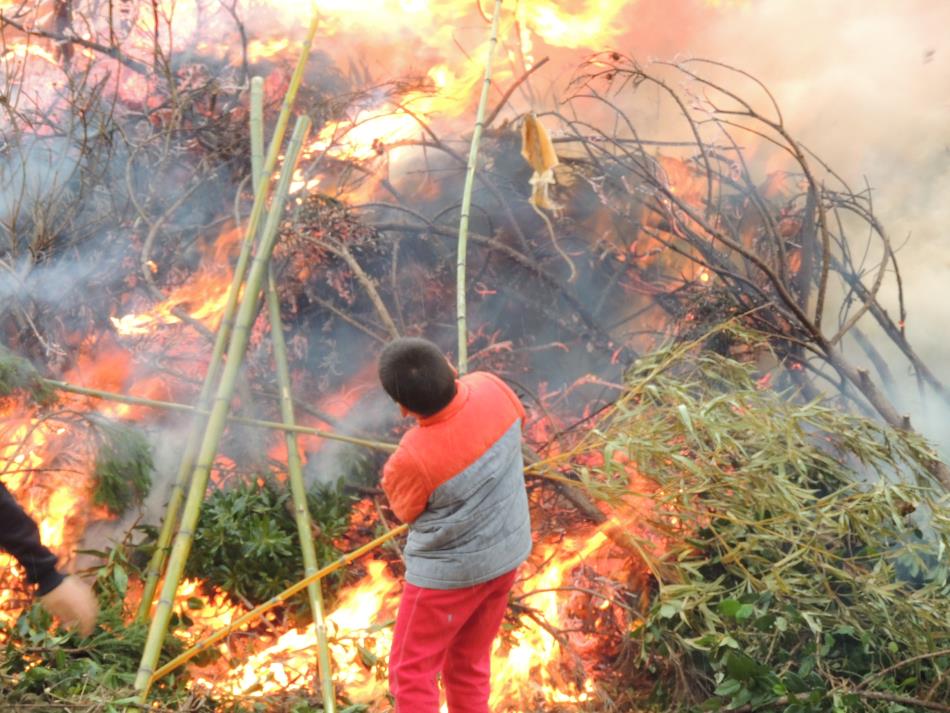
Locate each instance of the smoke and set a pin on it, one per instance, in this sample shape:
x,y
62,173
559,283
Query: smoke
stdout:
x,y
32,168
102,535
50,283
334,460
866,85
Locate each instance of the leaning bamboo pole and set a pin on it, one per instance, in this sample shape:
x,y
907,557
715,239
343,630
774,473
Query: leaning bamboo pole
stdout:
x,y
542,469
257,132
237,345
299,493
294,466
186,465
261,609
384,446
467,198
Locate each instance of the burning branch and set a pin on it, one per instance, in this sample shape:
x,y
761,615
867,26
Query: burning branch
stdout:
x,y
699,227
338,248
72,39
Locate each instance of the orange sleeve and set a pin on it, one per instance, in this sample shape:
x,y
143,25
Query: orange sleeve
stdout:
x,y
406,485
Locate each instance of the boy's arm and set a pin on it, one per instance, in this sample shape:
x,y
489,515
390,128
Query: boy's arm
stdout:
x,y
405,484
21,538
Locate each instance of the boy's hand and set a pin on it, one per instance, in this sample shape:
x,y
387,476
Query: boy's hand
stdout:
x,y
74,604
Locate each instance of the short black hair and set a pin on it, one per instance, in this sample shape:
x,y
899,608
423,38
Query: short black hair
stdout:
x,y
416,374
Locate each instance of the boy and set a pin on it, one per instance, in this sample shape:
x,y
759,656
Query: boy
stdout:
x,y
458,478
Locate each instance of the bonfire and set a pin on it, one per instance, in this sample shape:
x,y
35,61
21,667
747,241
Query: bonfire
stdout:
x,y
212,222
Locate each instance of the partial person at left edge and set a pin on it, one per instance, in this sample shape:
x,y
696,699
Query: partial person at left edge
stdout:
x,y
66,597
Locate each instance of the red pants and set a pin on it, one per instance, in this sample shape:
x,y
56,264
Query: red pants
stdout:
x,y
449,631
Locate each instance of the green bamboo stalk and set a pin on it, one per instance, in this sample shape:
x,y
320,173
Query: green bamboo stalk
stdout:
x,y
294,467
177,495
173,406
256,613
237,345
299,492
257,132
467,197
187,462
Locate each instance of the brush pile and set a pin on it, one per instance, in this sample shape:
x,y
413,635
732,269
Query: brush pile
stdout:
x,y
732,511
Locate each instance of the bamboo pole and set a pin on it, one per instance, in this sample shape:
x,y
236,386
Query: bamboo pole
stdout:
x,y
174,406
299,492
467,198
237,345
536,468
256,613
294,467
257,132
177,495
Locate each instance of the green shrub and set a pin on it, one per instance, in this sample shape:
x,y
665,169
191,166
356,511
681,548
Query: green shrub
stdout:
x,y
123,466
16,373
246,542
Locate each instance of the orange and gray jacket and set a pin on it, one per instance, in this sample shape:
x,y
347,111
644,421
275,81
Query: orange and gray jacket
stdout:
x,y
458,479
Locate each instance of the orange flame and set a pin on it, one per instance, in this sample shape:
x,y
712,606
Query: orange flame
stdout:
x,y
203,297
526,662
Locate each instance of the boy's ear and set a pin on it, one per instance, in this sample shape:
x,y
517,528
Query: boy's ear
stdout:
x,y
406,413
452,367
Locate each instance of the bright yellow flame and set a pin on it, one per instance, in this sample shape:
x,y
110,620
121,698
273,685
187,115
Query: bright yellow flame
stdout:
x,y
524,662
203,298
264,49
353,634
595,26
22,50
431,29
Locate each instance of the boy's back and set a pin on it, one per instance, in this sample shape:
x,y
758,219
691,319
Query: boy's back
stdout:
x,y
458,478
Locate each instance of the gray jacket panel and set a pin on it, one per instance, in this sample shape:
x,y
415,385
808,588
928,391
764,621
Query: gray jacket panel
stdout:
x,y
476,525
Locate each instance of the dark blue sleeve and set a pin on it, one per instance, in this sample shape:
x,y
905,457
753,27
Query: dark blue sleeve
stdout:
x,y
21,538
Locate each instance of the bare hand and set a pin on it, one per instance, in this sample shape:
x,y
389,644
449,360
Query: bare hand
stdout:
x,y
74,604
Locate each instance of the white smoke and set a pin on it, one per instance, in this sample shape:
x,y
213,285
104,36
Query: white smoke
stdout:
x,y
373,414
866,85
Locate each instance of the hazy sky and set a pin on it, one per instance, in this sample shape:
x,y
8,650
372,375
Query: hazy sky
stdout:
x,y
866,83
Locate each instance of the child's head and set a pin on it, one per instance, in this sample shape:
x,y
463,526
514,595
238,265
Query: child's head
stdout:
x,y
416,374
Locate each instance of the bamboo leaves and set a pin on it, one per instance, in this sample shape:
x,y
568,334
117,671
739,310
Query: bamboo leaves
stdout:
x,y
123,466
803,549
17,373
